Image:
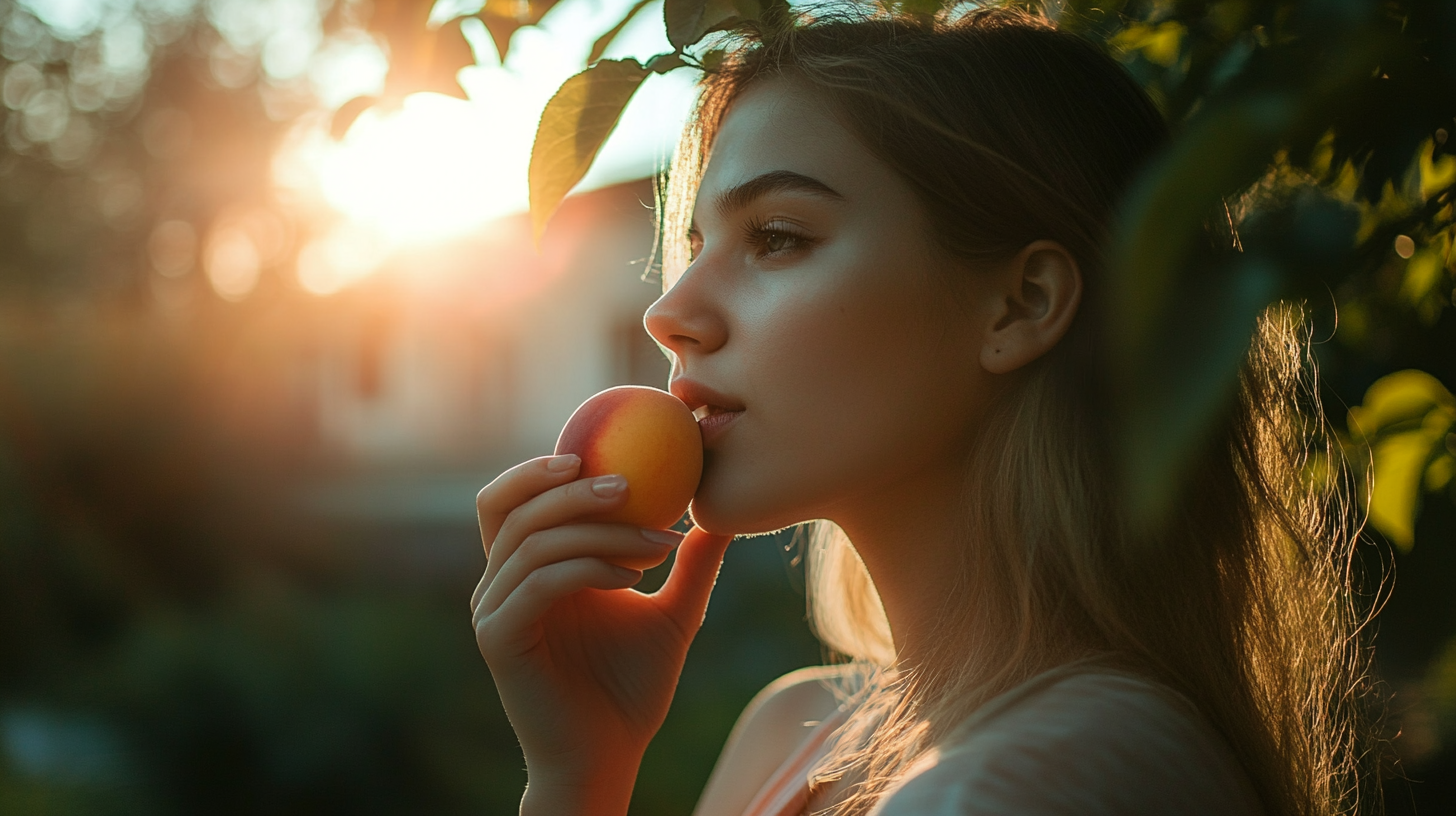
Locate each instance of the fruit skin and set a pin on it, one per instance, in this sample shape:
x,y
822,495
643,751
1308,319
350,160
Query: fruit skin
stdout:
x,y
650,437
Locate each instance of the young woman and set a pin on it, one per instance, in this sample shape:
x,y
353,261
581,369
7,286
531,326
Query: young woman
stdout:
x,y
883,295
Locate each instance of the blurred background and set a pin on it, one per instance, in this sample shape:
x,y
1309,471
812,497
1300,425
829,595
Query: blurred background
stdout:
x,y
251,378
270,315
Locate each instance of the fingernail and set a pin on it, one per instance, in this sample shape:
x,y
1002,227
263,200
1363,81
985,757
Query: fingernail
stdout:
x,y
563,462
661,536
624,572
607,486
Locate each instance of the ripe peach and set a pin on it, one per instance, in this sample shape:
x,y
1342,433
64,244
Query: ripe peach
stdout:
x,y
648,436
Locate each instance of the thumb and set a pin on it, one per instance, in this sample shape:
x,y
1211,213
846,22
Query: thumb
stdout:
x,y
684,596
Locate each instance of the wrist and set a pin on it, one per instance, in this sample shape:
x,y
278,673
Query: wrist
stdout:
x,y
605,792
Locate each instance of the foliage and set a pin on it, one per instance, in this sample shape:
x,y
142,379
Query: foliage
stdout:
x,y
423,57
1407,422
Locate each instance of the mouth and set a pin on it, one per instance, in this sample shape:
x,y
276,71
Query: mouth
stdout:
x,y
713,410
702,412
703,401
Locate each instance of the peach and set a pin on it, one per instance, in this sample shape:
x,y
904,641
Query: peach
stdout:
x,y
650,437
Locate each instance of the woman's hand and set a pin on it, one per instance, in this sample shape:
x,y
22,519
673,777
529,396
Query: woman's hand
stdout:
x,y
585,667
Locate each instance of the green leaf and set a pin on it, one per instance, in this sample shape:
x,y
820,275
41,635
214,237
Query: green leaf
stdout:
x,y
1406,419
1163,217
1182,380
662,63
1422,274
690,20
600,46
1398,402
1159,44
573,127
1177,342
1400,460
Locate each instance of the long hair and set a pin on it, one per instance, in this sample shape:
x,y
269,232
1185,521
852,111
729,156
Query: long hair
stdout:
x,y
1010,130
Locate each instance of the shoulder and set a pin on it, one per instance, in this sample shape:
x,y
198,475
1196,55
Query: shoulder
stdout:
x,y
772,725
1091,743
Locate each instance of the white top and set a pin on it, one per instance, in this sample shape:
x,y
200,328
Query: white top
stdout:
x,y
1078,741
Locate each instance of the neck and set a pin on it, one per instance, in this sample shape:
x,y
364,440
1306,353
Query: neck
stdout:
x,y
907,536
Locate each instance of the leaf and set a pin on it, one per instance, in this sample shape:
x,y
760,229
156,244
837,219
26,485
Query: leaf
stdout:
x,y
1406,418
1436,174
1163,217
421,58
662,63
1181,381
503,18
573,127
1160,44
348,113
1400,461
1171,376
690,20
1398,400
1422,273
600,46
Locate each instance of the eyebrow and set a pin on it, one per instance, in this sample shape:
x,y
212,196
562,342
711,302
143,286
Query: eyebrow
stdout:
x,y
742,195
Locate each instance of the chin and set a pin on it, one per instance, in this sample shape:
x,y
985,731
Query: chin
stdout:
x,y
717,512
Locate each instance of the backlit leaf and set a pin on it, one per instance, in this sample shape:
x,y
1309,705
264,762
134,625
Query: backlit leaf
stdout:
x,y
1436,174
503,18
689,20
1406,419
1159,44
1400,461
573,127
1422,273
1184,377
1163,217
421,58
1398,400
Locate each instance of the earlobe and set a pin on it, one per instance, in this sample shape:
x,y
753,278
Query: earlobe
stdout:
x,y
1041,292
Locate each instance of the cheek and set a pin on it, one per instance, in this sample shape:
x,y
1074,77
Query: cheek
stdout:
x,y
851,387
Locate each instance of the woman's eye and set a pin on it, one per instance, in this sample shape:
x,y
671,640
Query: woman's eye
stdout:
x,y
771,239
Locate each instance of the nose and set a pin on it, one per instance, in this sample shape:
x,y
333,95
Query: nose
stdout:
x,y
687,319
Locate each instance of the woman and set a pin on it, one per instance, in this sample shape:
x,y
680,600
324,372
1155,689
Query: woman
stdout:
x,y
884,297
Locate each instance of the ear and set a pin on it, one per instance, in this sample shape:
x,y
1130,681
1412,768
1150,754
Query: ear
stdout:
x,y
1035,298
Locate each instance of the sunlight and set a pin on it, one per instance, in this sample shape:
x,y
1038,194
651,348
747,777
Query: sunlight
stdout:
x,y
439,168
423,173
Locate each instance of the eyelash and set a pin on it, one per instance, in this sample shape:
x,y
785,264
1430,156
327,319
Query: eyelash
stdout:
x,y
758,233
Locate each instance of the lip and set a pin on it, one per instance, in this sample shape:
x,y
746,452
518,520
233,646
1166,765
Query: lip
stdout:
x,y
714,425
714,409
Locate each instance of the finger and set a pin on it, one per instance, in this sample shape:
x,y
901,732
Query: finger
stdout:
x,y
630,547
478,593
553,508
684,596
518,485
509,630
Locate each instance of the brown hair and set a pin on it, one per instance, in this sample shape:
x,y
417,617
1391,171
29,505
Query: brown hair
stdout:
x,y
1010,130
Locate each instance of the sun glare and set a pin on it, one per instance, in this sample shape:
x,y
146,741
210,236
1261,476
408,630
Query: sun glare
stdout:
x,y
438,168
423,173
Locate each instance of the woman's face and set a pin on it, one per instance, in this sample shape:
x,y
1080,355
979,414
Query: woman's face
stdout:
x,y
818,305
